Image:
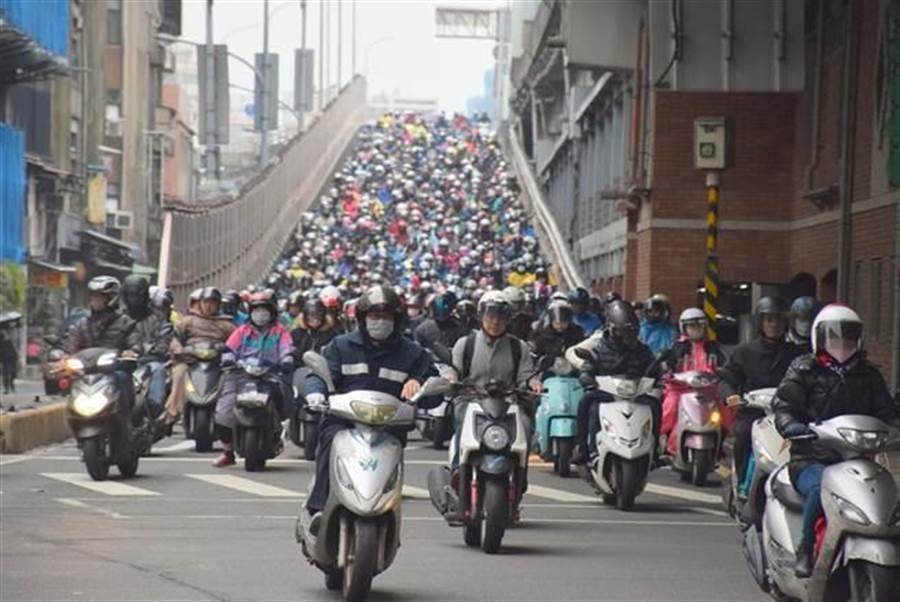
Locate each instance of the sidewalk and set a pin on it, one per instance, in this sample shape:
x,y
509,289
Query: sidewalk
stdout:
x,y
29,394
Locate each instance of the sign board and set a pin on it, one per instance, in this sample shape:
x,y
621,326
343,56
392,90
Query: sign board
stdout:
x,y
710,140
220,107
266,115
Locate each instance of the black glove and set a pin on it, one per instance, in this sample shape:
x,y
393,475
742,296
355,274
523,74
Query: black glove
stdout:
x,y
286,367
798,430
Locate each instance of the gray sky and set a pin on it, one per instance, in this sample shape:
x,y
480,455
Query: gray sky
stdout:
x,y
395,41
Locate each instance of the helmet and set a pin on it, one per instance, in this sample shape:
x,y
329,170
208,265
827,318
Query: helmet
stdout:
x,y
579,296
612,296
494,302
559,311
466,310
331,297
211,293
622,322
691,315
559,296
443,305
769,306
378,298
515,297
195,295
296,299
136,293
262,300
314,309
838,333
658,308
803,312
230,302
107,286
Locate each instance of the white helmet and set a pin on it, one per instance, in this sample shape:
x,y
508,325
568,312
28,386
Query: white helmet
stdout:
x,y
495,301
515,297
690,315
838,331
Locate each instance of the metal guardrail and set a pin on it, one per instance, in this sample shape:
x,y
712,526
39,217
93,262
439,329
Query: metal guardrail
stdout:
x,y
235,241
548,231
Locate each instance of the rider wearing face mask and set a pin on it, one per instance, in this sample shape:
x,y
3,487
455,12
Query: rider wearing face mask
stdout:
x,y
376,357
803,313
835,379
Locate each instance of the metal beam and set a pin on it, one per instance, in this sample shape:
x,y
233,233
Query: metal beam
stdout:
x,y
466,23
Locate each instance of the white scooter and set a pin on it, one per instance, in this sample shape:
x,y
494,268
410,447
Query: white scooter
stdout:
x,y
359,533
859,558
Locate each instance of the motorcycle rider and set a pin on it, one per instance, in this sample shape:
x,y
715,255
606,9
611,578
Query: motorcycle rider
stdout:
x,y
580,301
374,357
835,379
756,364
467,314
107,327
314,328
231,303
520,320
615,351
442,327
656,331
265,339
205,324
155,333
803,313
557,331
693,351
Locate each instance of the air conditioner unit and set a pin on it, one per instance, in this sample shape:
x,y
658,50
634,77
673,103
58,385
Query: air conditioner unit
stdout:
x,y
113,129
121,220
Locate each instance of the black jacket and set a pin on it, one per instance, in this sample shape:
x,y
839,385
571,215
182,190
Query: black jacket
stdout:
x,y
545,341
520,326
811,392
430,331
612,357
110,329
310,340
155,335
756,365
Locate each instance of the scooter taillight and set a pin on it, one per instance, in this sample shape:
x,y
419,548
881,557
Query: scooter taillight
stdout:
x,y
473,496
64,384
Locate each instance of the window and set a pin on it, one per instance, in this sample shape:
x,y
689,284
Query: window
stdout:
x,y
114,22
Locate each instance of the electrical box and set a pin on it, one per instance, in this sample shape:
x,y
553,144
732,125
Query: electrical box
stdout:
x,y
709,143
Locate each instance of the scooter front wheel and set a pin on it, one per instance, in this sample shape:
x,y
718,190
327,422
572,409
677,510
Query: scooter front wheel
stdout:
x,y
362,564
254,454
310,439
496,506
626,485
871,582
95,458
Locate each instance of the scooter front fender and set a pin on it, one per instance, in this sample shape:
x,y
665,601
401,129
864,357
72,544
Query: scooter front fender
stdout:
x,y
877,551
700,440
494,464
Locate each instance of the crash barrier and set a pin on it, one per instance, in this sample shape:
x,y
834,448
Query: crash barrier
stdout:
x,y
548,231
27,429
235,241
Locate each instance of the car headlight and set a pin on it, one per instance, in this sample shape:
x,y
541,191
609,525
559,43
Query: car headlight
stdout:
x,y
864,440
850,511
373,413
495,437
90,405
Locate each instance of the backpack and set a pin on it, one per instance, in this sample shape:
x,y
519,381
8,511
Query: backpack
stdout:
x,y
469,351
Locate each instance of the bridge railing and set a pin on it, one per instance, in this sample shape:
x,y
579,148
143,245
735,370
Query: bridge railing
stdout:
x,y
235,241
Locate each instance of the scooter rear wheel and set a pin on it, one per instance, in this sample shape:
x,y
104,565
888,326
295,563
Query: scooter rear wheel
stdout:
x,y
203,437
871,582
362,565
129,466
562,462
95,458
702,465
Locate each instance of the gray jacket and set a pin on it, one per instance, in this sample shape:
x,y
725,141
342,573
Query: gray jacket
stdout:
x,y
493,360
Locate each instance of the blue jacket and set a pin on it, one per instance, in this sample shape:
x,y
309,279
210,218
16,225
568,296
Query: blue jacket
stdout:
x,y
588,321
658,336
355,366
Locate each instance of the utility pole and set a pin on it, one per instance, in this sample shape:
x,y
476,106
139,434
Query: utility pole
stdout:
x,y
321,55
264,95
339,48
353,42
711,278
327,51
305,62
209,102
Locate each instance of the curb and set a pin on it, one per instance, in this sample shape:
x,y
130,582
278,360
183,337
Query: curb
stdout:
x,y
27,429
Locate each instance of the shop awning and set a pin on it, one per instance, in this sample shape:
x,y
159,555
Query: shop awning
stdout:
x,y
143,270
108,240
108,265
49,265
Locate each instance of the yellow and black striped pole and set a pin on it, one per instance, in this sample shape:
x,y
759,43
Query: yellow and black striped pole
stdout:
x,y
711,278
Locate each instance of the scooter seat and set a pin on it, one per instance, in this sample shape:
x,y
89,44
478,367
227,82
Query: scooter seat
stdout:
x,y
784,491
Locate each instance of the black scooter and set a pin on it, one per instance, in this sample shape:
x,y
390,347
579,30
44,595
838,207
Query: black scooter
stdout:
x,y
202,387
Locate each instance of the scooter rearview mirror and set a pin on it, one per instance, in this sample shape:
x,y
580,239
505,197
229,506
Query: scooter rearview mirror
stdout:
x,y
319,366
435,385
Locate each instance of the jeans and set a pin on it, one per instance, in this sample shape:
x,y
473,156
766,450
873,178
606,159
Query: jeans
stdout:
x,y
126,392
809,485
156,392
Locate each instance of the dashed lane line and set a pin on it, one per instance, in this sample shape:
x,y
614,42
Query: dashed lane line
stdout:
x,y
96,509
558,494
180,446
6,460
113,488
246,485
684,494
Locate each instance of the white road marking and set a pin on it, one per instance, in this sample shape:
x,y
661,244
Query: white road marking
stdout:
x,y
684,494
6,460
573,521
709,511
79,504
246,485
180,446
415,493
115,488
559,495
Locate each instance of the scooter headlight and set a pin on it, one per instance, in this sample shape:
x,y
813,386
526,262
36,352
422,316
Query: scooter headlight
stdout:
x,y
607,427
343,475
647,429
850,511
864,440
372,413
715,418
495,437
90,405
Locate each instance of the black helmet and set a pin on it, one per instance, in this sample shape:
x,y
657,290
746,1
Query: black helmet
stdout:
x,y
379,298
136,293
658,306
769,306
622,322
163,299
211,293
314,308
107,286
231,300
466,310
579,296
803,312
443,305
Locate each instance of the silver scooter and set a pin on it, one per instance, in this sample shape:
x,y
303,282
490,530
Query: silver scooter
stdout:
x,y
859,558
359,531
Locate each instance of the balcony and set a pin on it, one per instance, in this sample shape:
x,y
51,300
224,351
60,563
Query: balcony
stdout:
x,y
34,39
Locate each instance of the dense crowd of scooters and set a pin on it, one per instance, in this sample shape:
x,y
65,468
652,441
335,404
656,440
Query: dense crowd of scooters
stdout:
x,y
414,295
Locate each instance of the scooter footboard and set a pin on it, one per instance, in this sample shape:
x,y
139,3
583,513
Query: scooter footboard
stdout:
x,y
885,552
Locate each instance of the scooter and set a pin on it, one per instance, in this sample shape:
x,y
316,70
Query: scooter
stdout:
x,y
436,424
493,465
745,500
202,388
859,551
257,427
359,533
697,438
303,427
556,420
105,433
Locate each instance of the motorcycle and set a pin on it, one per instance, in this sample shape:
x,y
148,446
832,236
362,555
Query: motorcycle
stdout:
x,y
858,554
106,434
257,427
359,533
695,442
303,428
436,424
493,465
745,500
556,421
202,387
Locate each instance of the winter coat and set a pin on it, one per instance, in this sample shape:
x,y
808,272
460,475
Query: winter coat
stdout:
x,y
110,329
613,358
272,345
194,328
658,336
155,334
756,364
545,341
686,355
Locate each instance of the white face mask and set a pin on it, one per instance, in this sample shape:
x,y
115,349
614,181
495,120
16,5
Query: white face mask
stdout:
x,y
260,316
379,329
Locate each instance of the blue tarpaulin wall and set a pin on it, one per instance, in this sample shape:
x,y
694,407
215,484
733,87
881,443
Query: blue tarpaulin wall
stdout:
x,y
44,21
12,193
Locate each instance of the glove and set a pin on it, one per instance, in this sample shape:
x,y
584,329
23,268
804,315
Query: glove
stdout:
x,y
798,430
317,400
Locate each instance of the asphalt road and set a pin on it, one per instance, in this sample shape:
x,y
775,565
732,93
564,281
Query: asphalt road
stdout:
x,y
183,530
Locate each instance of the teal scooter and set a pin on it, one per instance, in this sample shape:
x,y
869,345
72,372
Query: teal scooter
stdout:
x,y
556,422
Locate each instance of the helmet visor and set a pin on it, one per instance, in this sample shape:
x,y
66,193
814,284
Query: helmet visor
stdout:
x,y
839,339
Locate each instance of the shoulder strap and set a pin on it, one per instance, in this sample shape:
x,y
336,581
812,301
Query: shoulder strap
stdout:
x,y
468,352
516,356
